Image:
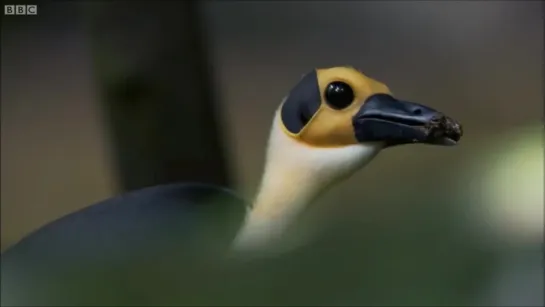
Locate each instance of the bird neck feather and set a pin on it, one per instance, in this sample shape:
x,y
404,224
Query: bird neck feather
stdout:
x,y
295,174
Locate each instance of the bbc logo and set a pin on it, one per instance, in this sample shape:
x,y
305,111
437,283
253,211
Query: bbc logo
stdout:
x,y
31,9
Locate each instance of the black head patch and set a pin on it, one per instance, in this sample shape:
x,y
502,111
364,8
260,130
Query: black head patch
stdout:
x,y
302,103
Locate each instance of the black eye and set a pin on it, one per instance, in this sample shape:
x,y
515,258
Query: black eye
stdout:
x,y
339,95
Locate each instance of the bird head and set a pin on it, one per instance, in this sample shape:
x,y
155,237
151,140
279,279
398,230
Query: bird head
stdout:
x,y
335,120
341,106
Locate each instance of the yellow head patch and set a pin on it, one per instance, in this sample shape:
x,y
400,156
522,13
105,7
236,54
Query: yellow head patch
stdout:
x,y
320,108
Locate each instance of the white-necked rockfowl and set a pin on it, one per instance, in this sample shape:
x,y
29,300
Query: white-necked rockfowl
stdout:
x,y
332,123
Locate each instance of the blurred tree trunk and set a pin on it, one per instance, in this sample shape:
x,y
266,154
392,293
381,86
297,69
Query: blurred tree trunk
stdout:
x,y
151,65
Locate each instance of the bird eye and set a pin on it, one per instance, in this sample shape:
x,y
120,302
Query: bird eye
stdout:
x,y
339,95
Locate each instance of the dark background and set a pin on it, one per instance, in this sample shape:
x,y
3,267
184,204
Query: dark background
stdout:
x,y
104,97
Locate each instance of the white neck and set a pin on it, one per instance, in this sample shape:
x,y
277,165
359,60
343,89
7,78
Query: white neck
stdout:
x,y
295,174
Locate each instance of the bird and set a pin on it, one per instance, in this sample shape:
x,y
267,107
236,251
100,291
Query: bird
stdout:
x,y
332,123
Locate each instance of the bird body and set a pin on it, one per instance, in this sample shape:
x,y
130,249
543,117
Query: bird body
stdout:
x,y
135,224
160,232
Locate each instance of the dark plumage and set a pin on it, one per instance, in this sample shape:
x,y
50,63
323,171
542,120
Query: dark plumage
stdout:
x,y
123,236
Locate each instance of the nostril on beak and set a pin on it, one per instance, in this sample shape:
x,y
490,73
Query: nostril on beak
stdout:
x,y
417,111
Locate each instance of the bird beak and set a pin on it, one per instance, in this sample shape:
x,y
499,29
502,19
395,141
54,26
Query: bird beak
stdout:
x,y
395,122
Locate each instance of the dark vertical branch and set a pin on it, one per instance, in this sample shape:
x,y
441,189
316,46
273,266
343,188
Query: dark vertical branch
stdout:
x,y
158,95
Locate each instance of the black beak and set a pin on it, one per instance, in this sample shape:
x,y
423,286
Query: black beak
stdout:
x,y
384,118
